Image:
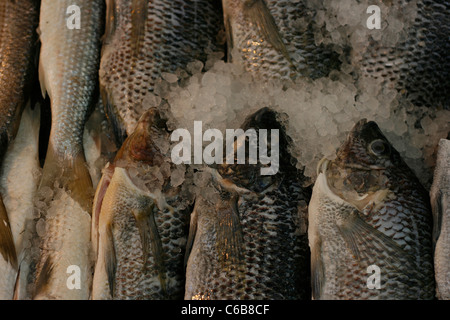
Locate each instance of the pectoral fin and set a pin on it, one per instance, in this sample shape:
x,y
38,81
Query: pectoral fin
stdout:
x,y
260,15
110,258
7,247
364,241
317,271
150,238
138,20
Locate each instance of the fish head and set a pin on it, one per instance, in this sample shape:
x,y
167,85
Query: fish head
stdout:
x,y
143,144
360,172
249,175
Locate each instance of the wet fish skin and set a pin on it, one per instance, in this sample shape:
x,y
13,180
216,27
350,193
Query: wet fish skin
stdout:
x,y
140,223
18,51
68,73
249,239
143,40
270,39
368,208
418,65
440,195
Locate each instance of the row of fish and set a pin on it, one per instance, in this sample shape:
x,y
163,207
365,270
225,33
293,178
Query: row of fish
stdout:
x,y
144,235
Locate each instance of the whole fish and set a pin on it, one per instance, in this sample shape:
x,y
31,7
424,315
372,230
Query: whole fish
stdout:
x,y
70,34
370,224
145,39
18,52
275,39
140,219
418,64
248,240
440,197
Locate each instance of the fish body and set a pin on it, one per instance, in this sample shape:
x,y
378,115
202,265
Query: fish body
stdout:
x,y
145,39
248,240
440,195
418,64
275,39
70,34
18,51
140,220
370,224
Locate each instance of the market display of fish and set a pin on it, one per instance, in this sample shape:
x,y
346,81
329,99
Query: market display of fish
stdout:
x,y
370,224
275,39
140,219
410,63
440,197
18,52
68,72
145,39
94,206
249,240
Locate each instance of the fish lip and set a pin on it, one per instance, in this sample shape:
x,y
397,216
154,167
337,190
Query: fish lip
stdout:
x,y
362,167
322,166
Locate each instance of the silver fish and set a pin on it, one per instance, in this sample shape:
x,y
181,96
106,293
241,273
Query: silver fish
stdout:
x,y
145,39
18,52
275,39
68,72
370,224
140,220
248,240
440,197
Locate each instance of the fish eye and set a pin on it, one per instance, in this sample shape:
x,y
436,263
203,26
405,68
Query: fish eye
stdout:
x,y
379,147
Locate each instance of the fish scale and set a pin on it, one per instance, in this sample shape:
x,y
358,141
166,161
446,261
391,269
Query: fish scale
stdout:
x,y
284,49
176,33
391,228
411,64
248,239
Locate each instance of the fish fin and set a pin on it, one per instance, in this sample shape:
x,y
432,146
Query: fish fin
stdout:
x,y
437,204
138,20
110,258
356,232
260,15
71,173
229,34
191,234
42,78
110,21
7,246
44,278
97,205
230,241
150,238
317,271
114,120
17,285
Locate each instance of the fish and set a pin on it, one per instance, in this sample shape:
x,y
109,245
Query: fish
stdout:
x,y
370,223
143,41
274,39
18,53
140,219
70,34
248,239
418,64
20,175
440,195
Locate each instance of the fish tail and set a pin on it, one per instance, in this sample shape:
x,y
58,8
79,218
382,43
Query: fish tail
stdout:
x,y
69,172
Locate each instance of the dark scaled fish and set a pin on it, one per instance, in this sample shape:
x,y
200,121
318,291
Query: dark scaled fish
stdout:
x,y
140,219
370,224
418,64
18,52
248,240
440,198
145,39
275,39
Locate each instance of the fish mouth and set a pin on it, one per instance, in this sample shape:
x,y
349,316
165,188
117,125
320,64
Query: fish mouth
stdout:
x,y
364,202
